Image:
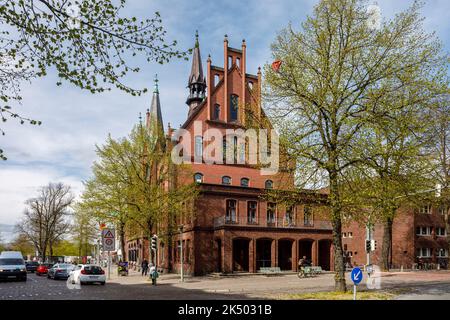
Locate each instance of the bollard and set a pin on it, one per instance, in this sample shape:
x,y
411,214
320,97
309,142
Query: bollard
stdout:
x,y
401,268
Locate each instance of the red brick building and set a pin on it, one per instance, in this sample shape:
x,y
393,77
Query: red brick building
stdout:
x,y
419,237
234,228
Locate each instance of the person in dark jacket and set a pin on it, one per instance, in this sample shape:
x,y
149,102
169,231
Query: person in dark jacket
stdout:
x,y
144,267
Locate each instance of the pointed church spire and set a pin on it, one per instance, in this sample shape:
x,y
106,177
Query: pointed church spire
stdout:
x,y
154,118
156,90
197,81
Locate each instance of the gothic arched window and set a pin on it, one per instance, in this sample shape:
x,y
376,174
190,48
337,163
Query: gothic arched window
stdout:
x,y
245,182
226,180
234,107
269,184
198,177
216,111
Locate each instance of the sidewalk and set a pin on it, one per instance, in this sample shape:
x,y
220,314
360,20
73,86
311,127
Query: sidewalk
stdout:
x,y
260,286
135,277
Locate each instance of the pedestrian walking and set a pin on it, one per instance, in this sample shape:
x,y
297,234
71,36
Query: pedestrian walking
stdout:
x,y
153,274
144,267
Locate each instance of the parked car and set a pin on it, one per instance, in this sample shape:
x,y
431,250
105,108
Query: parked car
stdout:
x,y
43,268
31,266
60,271
88,273
12,266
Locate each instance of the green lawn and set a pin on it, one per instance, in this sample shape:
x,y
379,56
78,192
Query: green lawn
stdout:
x,y
366,295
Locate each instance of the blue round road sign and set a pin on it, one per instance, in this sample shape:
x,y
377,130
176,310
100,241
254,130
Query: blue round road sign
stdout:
x,y
356,275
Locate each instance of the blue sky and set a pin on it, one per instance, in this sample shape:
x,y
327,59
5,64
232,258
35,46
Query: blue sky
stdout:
x,y
62,149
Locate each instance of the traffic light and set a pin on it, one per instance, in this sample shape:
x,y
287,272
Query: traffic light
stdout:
x,y
373,245
154,242
368,246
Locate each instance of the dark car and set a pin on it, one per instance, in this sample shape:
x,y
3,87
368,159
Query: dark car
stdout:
x,y
12,269
43,268
31,266
60,271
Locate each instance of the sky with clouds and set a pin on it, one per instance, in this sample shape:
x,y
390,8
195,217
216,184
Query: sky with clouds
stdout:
x,y
63,148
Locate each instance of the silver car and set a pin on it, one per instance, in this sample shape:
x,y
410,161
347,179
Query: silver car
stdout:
x,y
60,271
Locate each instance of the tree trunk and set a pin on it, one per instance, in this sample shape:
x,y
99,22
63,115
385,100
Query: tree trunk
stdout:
x,y
150,253
44,253
386,250
339,266
122,239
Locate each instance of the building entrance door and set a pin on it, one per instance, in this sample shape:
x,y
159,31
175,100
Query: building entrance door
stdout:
x,y
263,253
240,255
285,254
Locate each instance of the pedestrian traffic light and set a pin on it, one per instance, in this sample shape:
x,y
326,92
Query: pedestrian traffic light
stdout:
x,y
368,246
373,245
154,242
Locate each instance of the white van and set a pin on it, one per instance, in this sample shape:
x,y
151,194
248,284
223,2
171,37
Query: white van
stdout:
x,y
12,266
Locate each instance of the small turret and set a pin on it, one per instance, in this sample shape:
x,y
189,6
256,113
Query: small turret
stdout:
x,y
197,81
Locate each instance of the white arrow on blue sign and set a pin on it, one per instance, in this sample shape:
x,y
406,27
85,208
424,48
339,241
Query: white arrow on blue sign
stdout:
x,y
356,275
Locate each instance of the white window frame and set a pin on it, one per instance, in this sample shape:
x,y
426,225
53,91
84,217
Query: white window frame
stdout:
x,y
198,147
427,231
426,209
438,232
438,254
427,255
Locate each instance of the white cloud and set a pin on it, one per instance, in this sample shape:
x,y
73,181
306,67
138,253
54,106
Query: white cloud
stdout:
x,y
19,183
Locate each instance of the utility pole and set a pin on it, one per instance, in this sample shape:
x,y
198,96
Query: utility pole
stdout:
x,y
109,265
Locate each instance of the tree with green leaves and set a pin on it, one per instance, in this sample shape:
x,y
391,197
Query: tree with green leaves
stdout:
x,y
334,70
135,185
66,248
84,230
89,43
440,149
103,196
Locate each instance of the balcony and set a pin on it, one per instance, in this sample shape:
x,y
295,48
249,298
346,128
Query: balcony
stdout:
x,y
281,223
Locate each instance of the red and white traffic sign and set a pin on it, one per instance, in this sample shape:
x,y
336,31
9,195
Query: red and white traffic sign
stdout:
x,y
109,239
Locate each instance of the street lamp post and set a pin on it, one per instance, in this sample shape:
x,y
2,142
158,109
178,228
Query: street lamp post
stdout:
x,y
181,253
98,251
